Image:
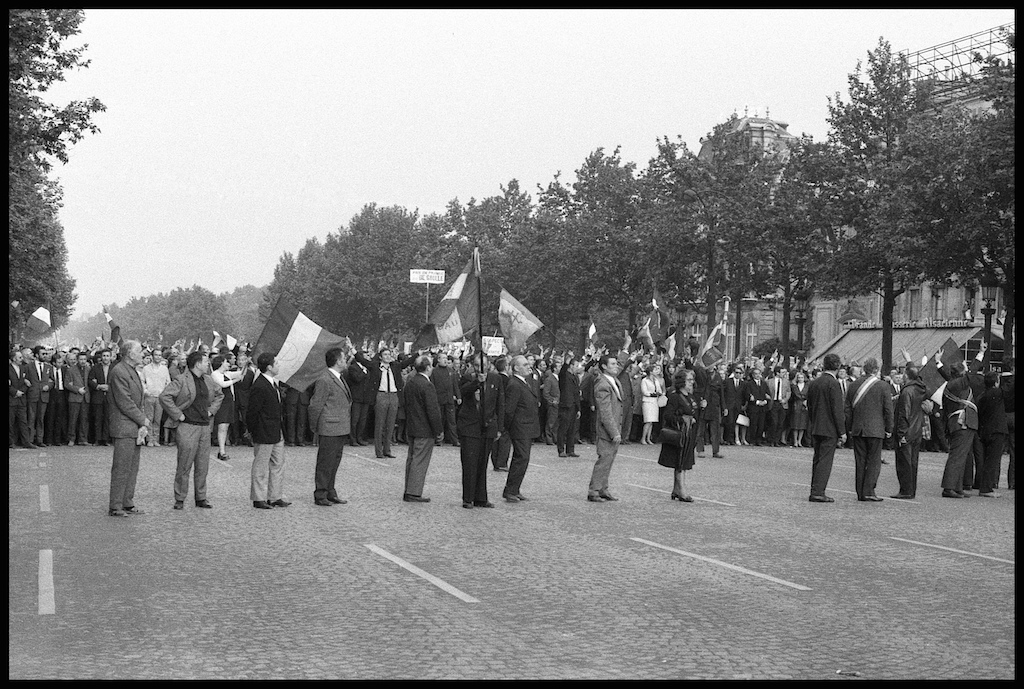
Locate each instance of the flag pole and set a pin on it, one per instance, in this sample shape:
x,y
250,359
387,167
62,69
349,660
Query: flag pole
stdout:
x,y
480,332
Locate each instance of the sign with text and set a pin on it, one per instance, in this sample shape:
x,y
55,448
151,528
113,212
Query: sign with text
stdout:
x,y
493,346
430,277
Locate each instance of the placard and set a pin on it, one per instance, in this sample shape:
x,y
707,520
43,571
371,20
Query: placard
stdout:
x,y
430,277
493,346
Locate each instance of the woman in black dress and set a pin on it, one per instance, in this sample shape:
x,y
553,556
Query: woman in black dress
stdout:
x,y
679,414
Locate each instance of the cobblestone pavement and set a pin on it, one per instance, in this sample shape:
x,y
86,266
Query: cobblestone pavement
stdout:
x,y
563,590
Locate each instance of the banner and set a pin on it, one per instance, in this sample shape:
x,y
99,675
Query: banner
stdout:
x,y
299,345
711,352
517,323
39,321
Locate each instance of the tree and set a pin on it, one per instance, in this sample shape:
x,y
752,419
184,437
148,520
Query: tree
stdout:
x,y
38,132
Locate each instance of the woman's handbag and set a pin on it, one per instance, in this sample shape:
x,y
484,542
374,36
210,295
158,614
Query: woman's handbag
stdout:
x,y
743,420
662,400
670,436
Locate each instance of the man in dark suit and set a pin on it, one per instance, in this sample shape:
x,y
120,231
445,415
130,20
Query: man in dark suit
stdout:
x,y
755,399
569,399
910,419
98,389
57,409
869,419
362,397
974,462
778,405
77,383
446,384
826,422
384,378
479,421
128,426
330,417
241,391
17,401
732,390
713,407
608,413
960,408
263,417
502,446
423,425
40,379
522,423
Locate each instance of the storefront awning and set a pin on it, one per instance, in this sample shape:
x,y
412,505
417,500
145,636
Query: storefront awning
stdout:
x,y
857,344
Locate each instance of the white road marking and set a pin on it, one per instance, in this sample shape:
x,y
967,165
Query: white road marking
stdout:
x,y
735,568
367,459
952,550
44,498
534,464
853,492
646,459
47,604
439,583
659,490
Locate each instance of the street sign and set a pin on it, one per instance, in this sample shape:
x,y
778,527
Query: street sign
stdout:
x,y
430,277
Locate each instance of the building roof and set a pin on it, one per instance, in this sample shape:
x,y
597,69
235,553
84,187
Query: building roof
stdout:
x,y
857,344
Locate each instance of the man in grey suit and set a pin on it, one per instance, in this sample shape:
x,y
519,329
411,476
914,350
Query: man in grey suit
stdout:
x,y
826,423
128,429
423,425
608,410
330,411
869,419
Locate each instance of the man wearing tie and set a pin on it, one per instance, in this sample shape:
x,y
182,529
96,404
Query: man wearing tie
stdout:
x,y
423,424
77,383
733,393
17,403
522,423
385,376
98,388
57,409
330,417
39,378
608,408
263,417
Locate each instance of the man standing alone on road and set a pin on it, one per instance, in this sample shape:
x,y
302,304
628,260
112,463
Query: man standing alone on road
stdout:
x,y
608,409
128,429
826,423
423,425
330,416
869,418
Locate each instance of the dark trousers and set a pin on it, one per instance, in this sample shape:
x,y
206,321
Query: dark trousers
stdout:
x,y
451,433
821,465
960,444
755,433
993,445
57,418
18,423
776,420
566,438
710,430
328,459
520,462
473,454
1009,449
37,419
906,466
100,422
627,422
867,460
974,465
78,422
360,413
500,451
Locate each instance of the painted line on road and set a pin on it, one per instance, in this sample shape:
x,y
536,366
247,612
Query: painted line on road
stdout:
x,y
44,498
367,459
660,490
439,583
646,459
736,568
542,466
853,492
953,550
47,604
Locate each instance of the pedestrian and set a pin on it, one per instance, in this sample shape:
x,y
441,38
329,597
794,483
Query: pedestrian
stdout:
x,y
17,403
961,417
423,426
522,424
446,382
569,400
226,380
993,432
191,402
912,410
128,426
155,377
98,389
608,414
501,449
77,384
869,420
679,442
263,418
330,416
479,420
826,423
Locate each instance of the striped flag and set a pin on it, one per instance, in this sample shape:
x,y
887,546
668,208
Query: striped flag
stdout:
x,y
711,352
458,314
39,321
299,345
517,323
592,333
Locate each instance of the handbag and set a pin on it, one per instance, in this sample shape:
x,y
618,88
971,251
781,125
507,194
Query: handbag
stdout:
x,y
662,400
670,436
743,420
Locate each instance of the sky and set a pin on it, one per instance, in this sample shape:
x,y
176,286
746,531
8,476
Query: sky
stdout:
x,y
233,136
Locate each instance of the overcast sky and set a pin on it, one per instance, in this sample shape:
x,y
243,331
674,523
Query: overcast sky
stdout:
x,y
233,136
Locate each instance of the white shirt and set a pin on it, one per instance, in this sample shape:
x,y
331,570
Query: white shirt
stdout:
x,y
387,379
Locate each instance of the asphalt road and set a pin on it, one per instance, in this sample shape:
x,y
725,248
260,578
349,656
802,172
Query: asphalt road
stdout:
x,y
749,581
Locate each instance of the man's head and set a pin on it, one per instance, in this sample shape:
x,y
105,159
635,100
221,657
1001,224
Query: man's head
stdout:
x,y
442,360
831,362
198,362
756,374
132,353
521,366
500,364
991,378
16,357
911,371
26,354
841,372
105,357
609,364
424,364
336,358
386,356
871,366
267,361
83,359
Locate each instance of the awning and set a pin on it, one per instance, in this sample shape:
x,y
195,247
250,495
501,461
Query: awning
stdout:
x,y
857,344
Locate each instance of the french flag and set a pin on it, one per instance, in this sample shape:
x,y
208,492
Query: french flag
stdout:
x,y
299,345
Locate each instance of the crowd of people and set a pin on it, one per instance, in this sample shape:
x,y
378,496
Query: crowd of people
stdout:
x,y
495,408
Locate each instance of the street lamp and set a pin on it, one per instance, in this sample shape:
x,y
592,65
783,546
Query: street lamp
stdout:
x,y
800,306
989,285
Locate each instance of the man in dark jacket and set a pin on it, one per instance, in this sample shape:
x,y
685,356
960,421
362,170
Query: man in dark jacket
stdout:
x,y
993,431
569,398
912,406
522,423
479,418
362,397
713,407
869,421
423,425
826,422
263,417
448,398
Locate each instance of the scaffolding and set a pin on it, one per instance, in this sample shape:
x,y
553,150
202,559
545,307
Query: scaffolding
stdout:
x,y
950,67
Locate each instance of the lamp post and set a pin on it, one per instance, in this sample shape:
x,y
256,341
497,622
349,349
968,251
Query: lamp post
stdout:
x,y
989,285
800,305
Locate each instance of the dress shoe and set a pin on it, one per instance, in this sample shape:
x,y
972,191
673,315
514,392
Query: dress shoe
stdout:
x,y
262,505
682,498
205,504
414,498
509,497
594,498
133,510
989,494
901,496
223,457
117,513
388,454
573,454
885,461
505,469
562,454
718,456
323,502
179,504
30,446
279,503
71,443
608,497
871,498
953,494
520,497
467,505
337,501
483,503
820,498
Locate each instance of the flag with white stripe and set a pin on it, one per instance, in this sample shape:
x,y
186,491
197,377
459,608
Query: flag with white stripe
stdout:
x,y
711,352
458,314
517,323
298,343
39,321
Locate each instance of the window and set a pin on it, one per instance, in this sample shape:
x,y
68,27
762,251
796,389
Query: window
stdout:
x,y
914,304
938,303
751,338
730,340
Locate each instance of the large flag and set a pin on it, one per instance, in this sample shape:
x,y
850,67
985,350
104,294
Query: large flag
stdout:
x,y
644,336
711,352
115,329
933,380
660,319
517,323
298,343
458,314
39,321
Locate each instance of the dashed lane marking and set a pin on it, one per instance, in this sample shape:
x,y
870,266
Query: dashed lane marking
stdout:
x,y
47,604
953,550
439,583
659,490
735,568
44,498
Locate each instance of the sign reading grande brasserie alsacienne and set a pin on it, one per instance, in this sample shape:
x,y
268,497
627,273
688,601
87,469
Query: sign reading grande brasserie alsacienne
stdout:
x,y
925,323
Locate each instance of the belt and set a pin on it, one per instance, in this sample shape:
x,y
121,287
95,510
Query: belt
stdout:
x,y
196,423
382,392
